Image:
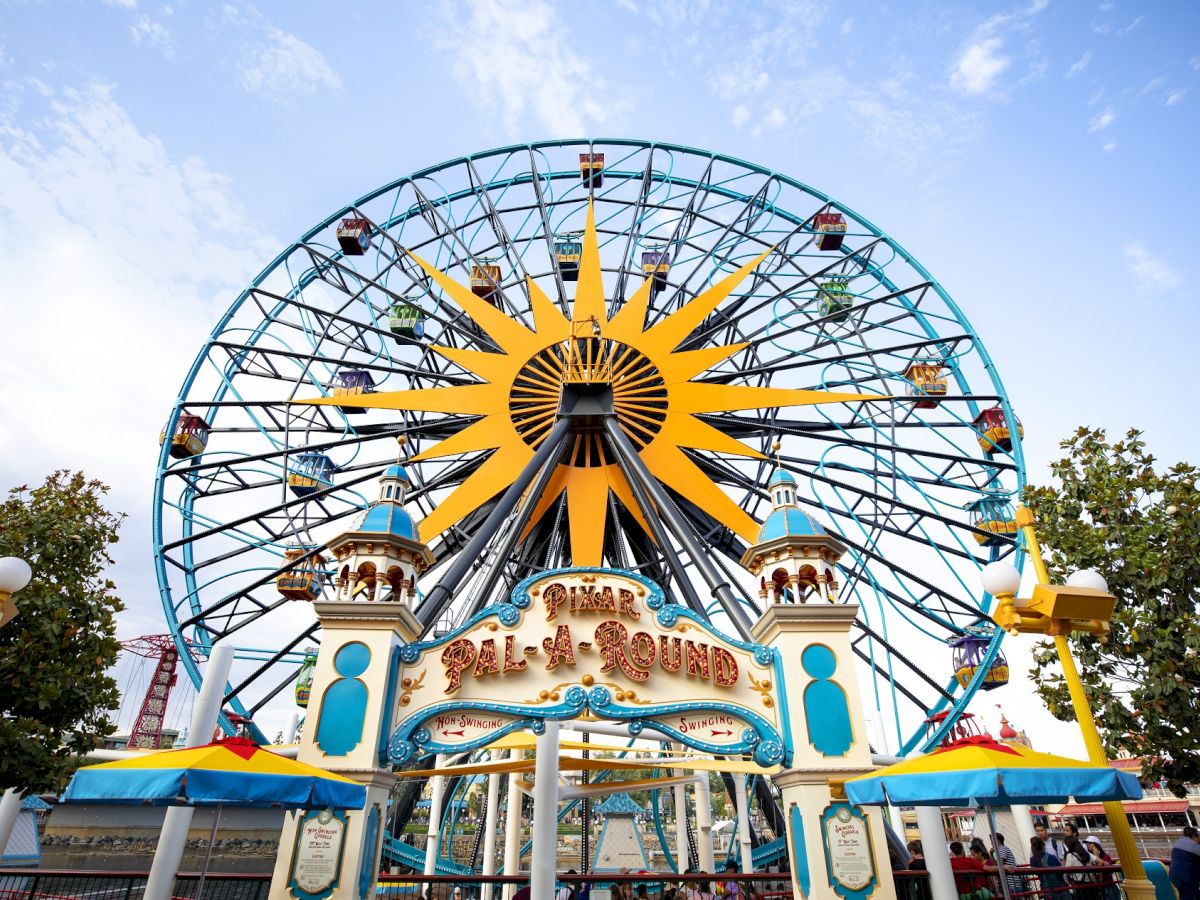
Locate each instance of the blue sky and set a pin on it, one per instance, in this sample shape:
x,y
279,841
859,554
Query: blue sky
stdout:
x,y
1038,158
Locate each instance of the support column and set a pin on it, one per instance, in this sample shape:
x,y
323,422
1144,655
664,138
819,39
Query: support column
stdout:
x,y
882,747
681,841
828,744
937,854
433,831
512,828
167,855
493,801
545,815
704,824
1023,823
10,808
743,819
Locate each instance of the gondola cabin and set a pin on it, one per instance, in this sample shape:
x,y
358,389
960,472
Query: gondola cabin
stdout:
x,y
309,473
352,383
964,727
567,252
656,264
926,382
190,438
994,519
304,580
406,321
354,236
993,432
968,652
836,299
591,169
485,281
304,678
831,229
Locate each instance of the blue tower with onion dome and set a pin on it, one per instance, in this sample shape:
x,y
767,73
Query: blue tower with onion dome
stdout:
x,y
382,558
795,556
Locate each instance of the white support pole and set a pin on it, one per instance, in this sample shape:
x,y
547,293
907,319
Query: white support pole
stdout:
x,y
743,814
681,843
10,808
171,840
937,853
489,834
512,827
704,824
1023,823
433,829
545,815
882,747
293,725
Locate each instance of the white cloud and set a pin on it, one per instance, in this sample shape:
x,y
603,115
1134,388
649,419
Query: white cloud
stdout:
x,y
1154,273
1121,32
1176,96
979,66
1110,146
514,59
276,64
847,26
1107,6
739,116
1080,64
123,4
775,118
154,34
1102,121
1194,62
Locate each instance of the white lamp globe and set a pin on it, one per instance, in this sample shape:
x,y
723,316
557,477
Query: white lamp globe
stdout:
x,y
14,574
1000,578
1087,578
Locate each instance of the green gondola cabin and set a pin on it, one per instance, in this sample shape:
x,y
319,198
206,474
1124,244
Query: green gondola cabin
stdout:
x,y
354,236
591,169
309,473
994,520
352,383
485,281
567,252
304,678
831,229
836,299
406,320
993,432
926,382
190,437
305,579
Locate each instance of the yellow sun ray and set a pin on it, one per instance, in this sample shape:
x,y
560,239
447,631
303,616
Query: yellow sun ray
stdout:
x,y
587,504
589,289
704,397
671,466
496,473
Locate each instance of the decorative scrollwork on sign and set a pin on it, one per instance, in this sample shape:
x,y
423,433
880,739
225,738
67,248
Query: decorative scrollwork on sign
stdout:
x,y
764,656
764,689
629,695
509,614
599,697
668,616
400,751
409,685
637,727
538,726
409,654
769,753
575,698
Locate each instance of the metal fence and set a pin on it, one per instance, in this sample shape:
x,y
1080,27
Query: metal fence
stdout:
x,y
602,886
52,884
1024,883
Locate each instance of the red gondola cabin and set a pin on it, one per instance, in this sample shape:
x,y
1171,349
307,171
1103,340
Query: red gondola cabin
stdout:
x,y
591,169
831,229
190,438
993,432
354,236
485,281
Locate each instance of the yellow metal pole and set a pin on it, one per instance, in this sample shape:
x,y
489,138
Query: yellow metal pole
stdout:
x,y
1137,886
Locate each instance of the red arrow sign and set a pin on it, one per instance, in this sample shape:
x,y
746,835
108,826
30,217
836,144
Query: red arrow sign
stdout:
x,y
458,733
714,732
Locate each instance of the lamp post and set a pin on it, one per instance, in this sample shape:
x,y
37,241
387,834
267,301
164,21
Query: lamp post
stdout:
x,y
14,575
1082,604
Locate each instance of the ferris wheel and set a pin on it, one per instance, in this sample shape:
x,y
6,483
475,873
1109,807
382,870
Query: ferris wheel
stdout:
x,y
444,309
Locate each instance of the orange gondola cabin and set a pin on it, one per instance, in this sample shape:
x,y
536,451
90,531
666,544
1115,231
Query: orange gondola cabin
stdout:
x,y
354,236
926,382
305,579
485,281
992,429
831,229
591,169
190,438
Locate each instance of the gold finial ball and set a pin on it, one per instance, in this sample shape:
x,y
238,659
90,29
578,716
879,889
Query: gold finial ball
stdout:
x,y
776,445
401,440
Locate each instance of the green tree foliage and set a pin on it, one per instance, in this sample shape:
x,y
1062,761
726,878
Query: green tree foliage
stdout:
x,y
1111,510
54,693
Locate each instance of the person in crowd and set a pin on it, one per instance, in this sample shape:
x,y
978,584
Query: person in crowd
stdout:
x,y
1079,855
1004,855
1185,864
978,844
1040,857
916,859
565,891
968,870
1054,845
1108,880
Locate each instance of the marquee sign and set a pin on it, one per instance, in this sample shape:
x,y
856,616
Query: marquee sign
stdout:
x,y
589,640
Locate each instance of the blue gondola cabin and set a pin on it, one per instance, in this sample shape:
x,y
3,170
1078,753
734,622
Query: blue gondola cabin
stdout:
x,y
485,281
304,678
309,473
190,438
836,299
656,264
352,383
406,320
591,169
993,431
968,654
567,253
831,229
354,236
994,520
304,580
926,383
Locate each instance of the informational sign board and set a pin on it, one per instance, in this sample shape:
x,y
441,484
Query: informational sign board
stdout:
x,y
849,856
589,640
317,855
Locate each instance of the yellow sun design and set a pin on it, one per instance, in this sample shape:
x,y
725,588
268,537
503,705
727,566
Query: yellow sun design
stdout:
x,y
654,396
